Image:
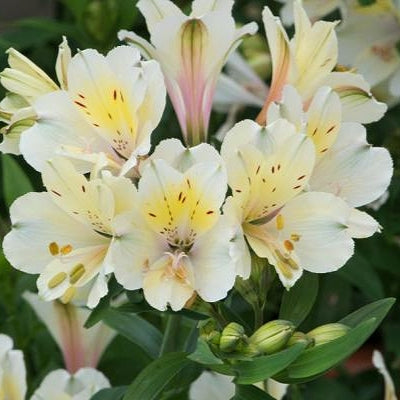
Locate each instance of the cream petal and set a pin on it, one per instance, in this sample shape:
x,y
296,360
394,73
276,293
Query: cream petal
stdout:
x,y
212,386
213,265
379,363
352,169
358,104
39,229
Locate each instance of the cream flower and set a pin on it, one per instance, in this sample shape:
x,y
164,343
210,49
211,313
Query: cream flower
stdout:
x,y
192,51
316,9
25,83
61,385
379,363
374,52
12,371
307,62
347,166
177,243
64,234
268,169
80,347
106,117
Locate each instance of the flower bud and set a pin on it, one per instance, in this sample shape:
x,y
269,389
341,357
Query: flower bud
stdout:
x,y
232,335
326,333
272,336
298,337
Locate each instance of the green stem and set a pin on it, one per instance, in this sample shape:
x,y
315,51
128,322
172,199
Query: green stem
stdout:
x,y
171,333
258,316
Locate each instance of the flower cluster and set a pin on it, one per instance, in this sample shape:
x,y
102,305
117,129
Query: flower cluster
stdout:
x,y
162,222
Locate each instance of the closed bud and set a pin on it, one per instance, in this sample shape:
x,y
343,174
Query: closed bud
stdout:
x,y
272,336
326,333
298,337
231,337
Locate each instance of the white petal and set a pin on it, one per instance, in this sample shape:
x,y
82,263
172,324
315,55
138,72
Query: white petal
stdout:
x,y
201,7
379,363
212,386
213,265
355,95
353,169
37,223
63,60
182,158
155,11
361,225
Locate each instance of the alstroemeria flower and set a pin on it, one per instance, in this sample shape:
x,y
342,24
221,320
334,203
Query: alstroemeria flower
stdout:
x,y
192,51
210,385
106,117
316,9
347,166
61,385
25,83
64,234
307,62
12,371
268,169
373,52
379,363
177,243
80,347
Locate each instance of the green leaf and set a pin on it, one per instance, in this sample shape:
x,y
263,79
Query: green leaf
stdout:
x,y
377,309
135,329
298,301
110,394
203,354
15,181
317,360
150,383
250,393
261,368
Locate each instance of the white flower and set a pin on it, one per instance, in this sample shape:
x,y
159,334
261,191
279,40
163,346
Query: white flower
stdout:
x,y
379,363
307,62
373,52
80,347
25,83
213,386
64,234
316,9
347,166
105,117
12,371
192,51
61,385
268,169
178,244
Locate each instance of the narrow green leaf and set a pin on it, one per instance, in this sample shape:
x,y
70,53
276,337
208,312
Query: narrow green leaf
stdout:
x,y
110,394
15,181
203,354
261,368
135,329
317,360
150,383
377,309
250,393
298,301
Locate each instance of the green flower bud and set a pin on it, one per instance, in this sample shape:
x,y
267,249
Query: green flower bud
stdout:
x,y
272,336
231,337
326,333
298,337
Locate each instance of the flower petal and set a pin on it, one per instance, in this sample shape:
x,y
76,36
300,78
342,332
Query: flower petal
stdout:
x,y
352,169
